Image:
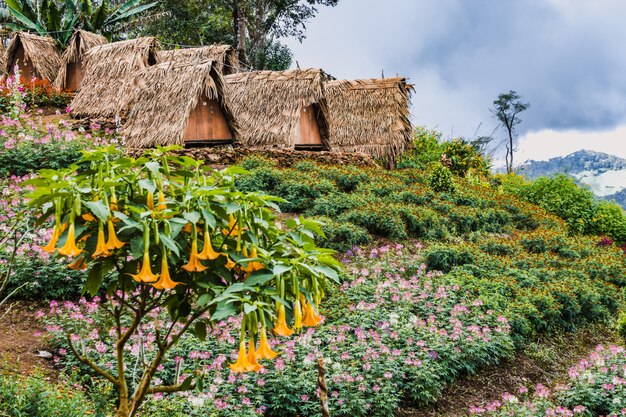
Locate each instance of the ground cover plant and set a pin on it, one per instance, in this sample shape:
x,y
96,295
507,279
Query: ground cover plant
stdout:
x,y
595,387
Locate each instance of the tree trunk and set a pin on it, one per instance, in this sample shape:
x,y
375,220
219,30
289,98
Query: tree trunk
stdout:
x,y
240,32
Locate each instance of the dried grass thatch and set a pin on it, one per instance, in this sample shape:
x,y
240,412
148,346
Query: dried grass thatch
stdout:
x,y
161,98
42,52
3,52
224,56
106,68
370,116
267,105
81,42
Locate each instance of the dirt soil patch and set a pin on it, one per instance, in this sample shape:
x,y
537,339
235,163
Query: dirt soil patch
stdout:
x,y
22,337
543,362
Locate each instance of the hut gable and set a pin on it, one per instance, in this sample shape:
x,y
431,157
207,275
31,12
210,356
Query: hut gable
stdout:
x,y
106,68
177,104
273,107
224,56
369,116
71,71
36,56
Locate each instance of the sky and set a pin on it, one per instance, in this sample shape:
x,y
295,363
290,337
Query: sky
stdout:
x,y
567,58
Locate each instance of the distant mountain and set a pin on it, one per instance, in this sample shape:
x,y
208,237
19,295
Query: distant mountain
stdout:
x,y
604,174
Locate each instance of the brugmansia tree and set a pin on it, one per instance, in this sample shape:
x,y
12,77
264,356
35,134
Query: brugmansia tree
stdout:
x,y
163,232
59,19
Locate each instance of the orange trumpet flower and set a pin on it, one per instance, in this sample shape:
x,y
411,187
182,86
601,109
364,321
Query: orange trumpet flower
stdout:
x,y
150,201
241,365
252,359
281,328
194,264
51,246
311,318
70,248
230,264
145,273
113,242
101,248
78,264
254,265
265,351
233,228
165,281
161,206
207,250
297,315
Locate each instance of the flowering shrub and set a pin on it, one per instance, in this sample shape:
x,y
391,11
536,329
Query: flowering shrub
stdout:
x,y
27,144
35,93
596,386
389,333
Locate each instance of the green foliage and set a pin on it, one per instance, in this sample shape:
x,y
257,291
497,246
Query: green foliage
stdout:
x,y
441,180
425,149
38,396
610,220
341,236
621,325
462,158
59,18
445,259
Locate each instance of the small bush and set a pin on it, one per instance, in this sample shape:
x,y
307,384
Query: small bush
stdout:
x,y
342,236
440,180
444,259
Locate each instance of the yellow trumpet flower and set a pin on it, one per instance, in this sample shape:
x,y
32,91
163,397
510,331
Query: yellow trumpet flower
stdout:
x,y
165,281
113,202
70,248
51,246
254,364
254,265
207,250
113,242
265,351
311,318
88,217
241,365
297,315
233,229
150,201
230,264
101,248
145,273
78,264
161,206
281,328
194,264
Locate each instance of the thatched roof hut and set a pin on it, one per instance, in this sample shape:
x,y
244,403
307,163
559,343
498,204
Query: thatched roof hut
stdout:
x,y
180,104
370,116
106,68
71,72
224,56
279,109
36,56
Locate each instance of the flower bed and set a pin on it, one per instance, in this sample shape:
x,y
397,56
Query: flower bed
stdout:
x,y
390,334
596,387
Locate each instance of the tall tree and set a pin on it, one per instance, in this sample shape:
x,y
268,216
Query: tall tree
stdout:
x,y
506,108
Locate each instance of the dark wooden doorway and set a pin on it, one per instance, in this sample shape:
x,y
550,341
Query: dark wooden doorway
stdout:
x,y
74,76
309,133
207,123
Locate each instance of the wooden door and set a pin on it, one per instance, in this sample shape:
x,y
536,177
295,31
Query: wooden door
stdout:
x,y
309,133
73,76
207,122
27,71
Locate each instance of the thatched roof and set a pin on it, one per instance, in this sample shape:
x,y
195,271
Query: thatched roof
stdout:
x,y
106,68
81,42
3,52
41,51
267,105
370,116
162,97
224,56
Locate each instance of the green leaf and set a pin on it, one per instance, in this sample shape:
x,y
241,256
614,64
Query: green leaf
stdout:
x,y
99,209
249,308
169,243
94,279
223,311
259,278
153,166
147,185
209,218
205,299
200,330
328,272
192,217
186,383
281,268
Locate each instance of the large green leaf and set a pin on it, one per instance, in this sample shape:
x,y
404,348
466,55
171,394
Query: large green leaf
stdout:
x,y
28,24
99,17
130,13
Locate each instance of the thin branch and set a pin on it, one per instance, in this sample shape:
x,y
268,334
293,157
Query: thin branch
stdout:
x,y
84,359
